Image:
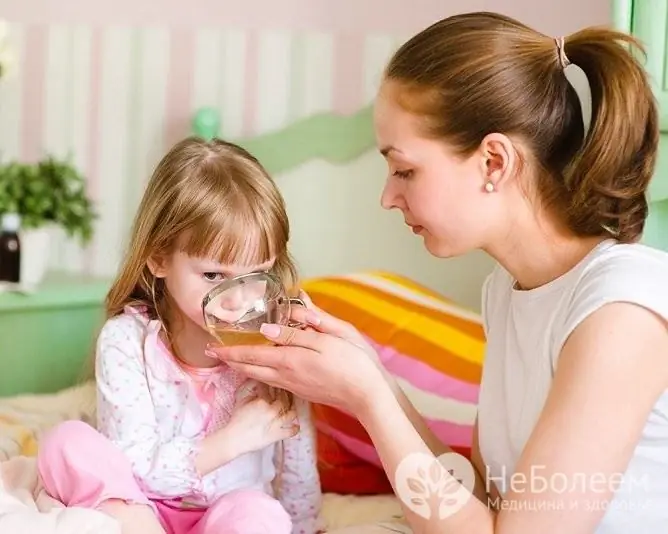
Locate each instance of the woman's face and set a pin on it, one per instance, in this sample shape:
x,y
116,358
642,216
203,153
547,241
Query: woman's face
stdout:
x,y
442,196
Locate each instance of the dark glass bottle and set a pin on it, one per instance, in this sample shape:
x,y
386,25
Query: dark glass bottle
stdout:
x,y
10,249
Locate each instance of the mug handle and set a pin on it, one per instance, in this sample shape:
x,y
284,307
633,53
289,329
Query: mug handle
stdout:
x,y
299,302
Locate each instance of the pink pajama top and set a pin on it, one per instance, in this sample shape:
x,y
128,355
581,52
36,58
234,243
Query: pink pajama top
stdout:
x,y
157,411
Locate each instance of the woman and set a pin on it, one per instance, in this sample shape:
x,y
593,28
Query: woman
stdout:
x,y
486,148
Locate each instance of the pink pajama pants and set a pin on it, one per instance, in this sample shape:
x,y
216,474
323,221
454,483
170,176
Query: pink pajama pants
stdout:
x,y
80,467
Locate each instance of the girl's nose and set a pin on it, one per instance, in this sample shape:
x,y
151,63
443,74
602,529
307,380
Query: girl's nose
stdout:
x,y
232,299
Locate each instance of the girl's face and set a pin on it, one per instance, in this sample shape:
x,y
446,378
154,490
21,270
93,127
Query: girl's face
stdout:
x,y
189,279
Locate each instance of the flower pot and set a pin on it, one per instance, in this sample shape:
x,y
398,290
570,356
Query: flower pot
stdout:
x,y
35,256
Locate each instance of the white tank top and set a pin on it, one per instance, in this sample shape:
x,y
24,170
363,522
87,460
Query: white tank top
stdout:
x,y
525,332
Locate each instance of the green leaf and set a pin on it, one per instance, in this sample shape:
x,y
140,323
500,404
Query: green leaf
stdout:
x,y
51,191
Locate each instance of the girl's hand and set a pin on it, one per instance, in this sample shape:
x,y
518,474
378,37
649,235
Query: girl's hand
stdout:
x,y
257,423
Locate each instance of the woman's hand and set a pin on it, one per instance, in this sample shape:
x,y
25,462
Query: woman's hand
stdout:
x,y
328,363
315,318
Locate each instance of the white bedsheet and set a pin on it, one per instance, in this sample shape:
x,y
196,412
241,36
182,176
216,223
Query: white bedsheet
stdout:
x,y
25,508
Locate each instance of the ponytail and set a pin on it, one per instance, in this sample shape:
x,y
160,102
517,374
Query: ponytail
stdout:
x,y
475,73
608,178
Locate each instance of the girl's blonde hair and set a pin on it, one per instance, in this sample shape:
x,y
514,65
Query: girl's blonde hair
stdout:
x,y
208,199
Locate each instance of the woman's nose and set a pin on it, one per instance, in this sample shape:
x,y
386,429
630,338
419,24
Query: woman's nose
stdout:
x,y
389,198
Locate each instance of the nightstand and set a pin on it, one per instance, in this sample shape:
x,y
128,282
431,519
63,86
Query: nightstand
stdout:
x,y
47,337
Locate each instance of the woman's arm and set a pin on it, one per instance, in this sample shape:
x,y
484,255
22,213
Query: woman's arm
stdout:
x,y
329,324
601,368
484,490
435,445
599,363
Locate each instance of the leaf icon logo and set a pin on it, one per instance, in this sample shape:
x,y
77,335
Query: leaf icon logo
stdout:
x,y
428,485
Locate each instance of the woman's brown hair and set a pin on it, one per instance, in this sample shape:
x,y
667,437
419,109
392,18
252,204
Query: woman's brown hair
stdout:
x,y
209,199
478,73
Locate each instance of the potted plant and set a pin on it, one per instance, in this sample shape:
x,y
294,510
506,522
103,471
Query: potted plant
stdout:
x,y
50,193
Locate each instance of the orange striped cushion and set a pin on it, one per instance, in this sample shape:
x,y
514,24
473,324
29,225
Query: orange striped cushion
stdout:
x,y
432,346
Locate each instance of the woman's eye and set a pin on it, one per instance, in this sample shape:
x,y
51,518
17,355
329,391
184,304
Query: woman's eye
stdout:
x,y
213,277
403,174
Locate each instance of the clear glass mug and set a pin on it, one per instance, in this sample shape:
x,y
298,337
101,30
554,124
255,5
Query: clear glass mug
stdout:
x,y
235,309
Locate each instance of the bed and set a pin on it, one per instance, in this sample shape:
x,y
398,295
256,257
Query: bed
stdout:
x,y
422,336
433,347
23,420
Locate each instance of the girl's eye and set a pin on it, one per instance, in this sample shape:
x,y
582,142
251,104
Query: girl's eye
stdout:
x,y
213,277
403,174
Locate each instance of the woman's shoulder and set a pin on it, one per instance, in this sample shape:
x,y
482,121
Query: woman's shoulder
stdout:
x,y
629,269
629,273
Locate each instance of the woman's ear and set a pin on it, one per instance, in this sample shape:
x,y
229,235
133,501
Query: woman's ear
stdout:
x,y
157,265
499,159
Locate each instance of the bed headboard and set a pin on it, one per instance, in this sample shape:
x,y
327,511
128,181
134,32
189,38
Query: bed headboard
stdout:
x,y
331,176
335,139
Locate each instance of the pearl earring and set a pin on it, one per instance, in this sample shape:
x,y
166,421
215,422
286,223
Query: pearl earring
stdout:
x,y
489,187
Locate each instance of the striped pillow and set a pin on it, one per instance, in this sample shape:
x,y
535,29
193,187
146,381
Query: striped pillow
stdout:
x,y
433,347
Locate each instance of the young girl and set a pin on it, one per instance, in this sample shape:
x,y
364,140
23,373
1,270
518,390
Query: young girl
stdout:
x,y
185,444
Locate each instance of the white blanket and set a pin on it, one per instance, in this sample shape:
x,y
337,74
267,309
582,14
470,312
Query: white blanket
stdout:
x,y
25,508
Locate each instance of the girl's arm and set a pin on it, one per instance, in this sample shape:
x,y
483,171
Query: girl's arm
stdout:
x,y
299,488
605,386
126,415
256,423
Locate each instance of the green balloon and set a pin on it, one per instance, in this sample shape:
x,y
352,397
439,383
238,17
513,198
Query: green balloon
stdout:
x,y
206,123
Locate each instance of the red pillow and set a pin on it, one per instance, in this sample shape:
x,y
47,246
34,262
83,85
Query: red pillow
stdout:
x,y
343,472
433,348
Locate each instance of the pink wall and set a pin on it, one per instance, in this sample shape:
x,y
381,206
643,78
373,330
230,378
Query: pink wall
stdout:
x,y
117,97
556,17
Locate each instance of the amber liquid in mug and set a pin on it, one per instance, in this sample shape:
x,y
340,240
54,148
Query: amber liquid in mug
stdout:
x,y
231,338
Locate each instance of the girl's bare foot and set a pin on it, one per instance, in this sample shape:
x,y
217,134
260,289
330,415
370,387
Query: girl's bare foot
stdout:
x,y
134,518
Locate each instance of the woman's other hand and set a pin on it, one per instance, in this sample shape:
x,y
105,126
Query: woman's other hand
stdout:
x,y
257,423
